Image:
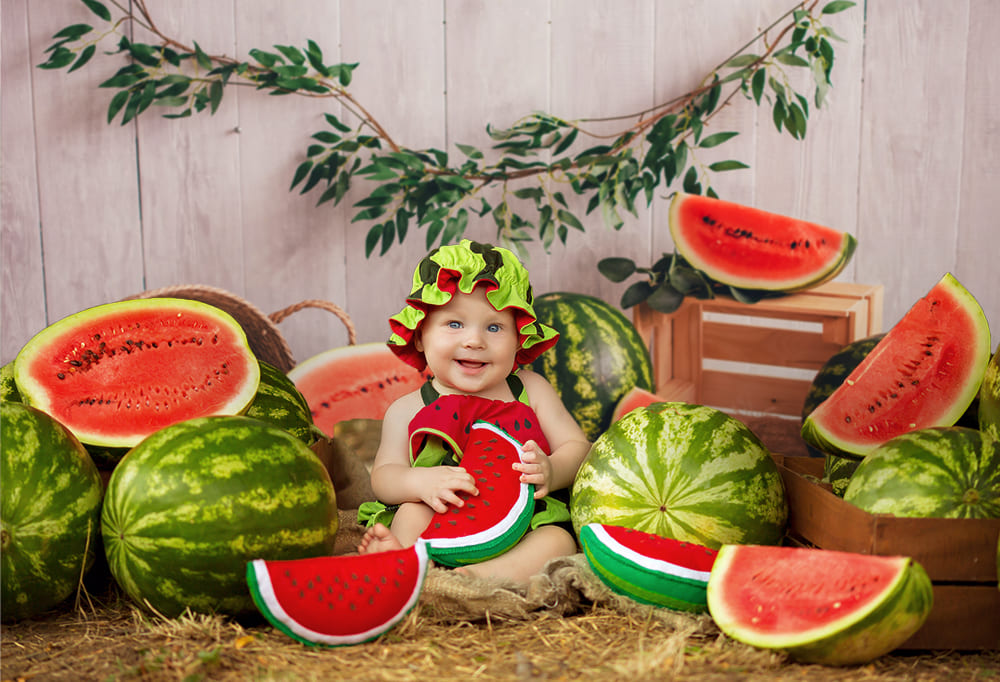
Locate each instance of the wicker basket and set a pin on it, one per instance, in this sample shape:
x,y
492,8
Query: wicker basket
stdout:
x,y
262,332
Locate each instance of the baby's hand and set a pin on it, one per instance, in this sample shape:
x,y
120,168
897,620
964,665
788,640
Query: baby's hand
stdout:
x,y
535,468
441,485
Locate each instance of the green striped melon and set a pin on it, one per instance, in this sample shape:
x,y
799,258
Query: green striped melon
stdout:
x,y
817,605
682,471
8,389
949,472
989,398
599,358
50,504
188,507
279,402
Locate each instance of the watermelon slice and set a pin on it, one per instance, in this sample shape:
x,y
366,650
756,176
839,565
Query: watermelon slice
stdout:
x,y
752,249
636,397
115,373
353,382
489,524
924,373
338,600
820,606
649,568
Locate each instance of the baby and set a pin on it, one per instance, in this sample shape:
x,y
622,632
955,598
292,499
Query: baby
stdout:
x,y
469,320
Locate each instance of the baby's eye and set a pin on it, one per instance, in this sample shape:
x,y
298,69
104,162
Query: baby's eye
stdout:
x,y
493,327
455,324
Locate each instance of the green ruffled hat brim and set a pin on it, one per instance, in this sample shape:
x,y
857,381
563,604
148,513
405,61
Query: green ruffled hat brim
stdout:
x,y
460,269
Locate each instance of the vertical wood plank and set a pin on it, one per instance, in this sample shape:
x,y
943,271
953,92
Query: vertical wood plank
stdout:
x,y
88,204
911,134
189,170
292,249
22,292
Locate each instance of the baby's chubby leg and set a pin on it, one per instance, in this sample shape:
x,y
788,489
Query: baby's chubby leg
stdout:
x,y
528,557
408,523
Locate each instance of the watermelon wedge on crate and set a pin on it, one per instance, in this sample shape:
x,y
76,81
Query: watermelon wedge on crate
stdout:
x,y
925,372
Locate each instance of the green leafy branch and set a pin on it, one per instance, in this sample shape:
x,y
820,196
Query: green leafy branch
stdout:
x,y
538,161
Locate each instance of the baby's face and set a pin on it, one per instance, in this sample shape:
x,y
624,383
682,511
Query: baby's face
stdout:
x,y
469,346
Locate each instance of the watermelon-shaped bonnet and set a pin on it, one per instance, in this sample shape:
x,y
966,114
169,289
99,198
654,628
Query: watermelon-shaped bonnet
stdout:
x,y
460,268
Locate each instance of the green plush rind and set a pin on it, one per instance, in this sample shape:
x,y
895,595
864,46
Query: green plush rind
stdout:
x,y
641,583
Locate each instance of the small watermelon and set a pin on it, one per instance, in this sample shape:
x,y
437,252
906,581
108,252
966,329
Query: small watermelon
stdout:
x,y
599,358
749,248
682,471
338,600
191,504
950,472
649,568
924,373
353,382
115,373
989,398
50,506
279,402
819,606
489,524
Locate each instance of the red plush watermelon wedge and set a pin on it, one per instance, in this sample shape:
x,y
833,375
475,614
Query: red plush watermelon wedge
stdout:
x,y
649,568
338,600
820,606
492,522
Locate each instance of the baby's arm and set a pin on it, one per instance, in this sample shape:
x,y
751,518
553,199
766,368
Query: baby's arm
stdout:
x,y
568,442
394,481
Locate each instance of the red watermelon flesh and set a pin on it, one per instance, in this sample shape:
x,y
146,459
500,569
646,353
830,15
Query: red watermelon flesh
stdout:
x,y
636,397
353,382
495,520
115,373
338,600
753,249
924,373
820,605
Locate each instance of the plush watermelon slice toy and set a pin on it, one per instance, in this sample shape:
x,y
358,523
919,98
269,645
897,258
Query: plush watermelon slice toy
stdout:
x,y
819,606
339,600
489,524
649,568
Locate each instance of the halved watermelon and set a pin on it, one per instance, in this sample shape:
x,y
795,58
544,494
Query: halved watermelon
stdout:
x,y
115,373
338,600
637,396
353,382
489,524
924,373
752,249
820,606
649,568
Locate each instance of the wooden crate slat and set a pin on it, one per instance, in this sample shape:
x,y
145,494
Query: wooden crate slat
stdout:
x,y
766,345
752,392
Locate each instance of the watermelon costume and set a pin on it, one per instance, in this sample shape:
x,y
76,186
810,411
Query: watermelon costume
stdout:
x,y
439,434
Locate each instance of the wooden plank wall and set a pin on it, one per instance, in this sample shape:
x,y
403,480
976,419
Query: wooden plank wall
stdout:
x,y
903,156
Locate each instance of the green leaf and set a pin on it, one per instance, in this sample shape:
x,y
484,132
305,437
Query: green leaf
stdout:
x,y
716,139
469,151
691,184
433,230
292,54
336,123
570,220
637,293
59,58
739,61
85,55
204,61
265,59
665,299
373,237
616,269
727,165
215,95
144,54
74,32
301,172
835,6
791,59
757,85
98,8
117,102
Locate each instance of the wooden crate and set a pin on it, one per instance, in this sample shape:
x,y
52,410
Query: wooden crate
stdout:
x,y
779,344
959,555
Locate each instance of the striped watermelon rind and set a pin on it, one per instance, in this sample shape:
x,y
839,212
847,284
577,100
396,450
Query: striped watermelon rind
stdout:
x,y
989,398
188,507
945,472
599,358
279,402
870,607
339,600
50,505
682,471
658,580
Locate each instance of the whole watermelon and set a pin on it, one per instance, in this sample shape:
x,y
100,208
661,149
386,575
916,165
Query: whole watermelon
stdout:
x,y
279,402
51,504
988,405
190,505
599,358
942,472
682,471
